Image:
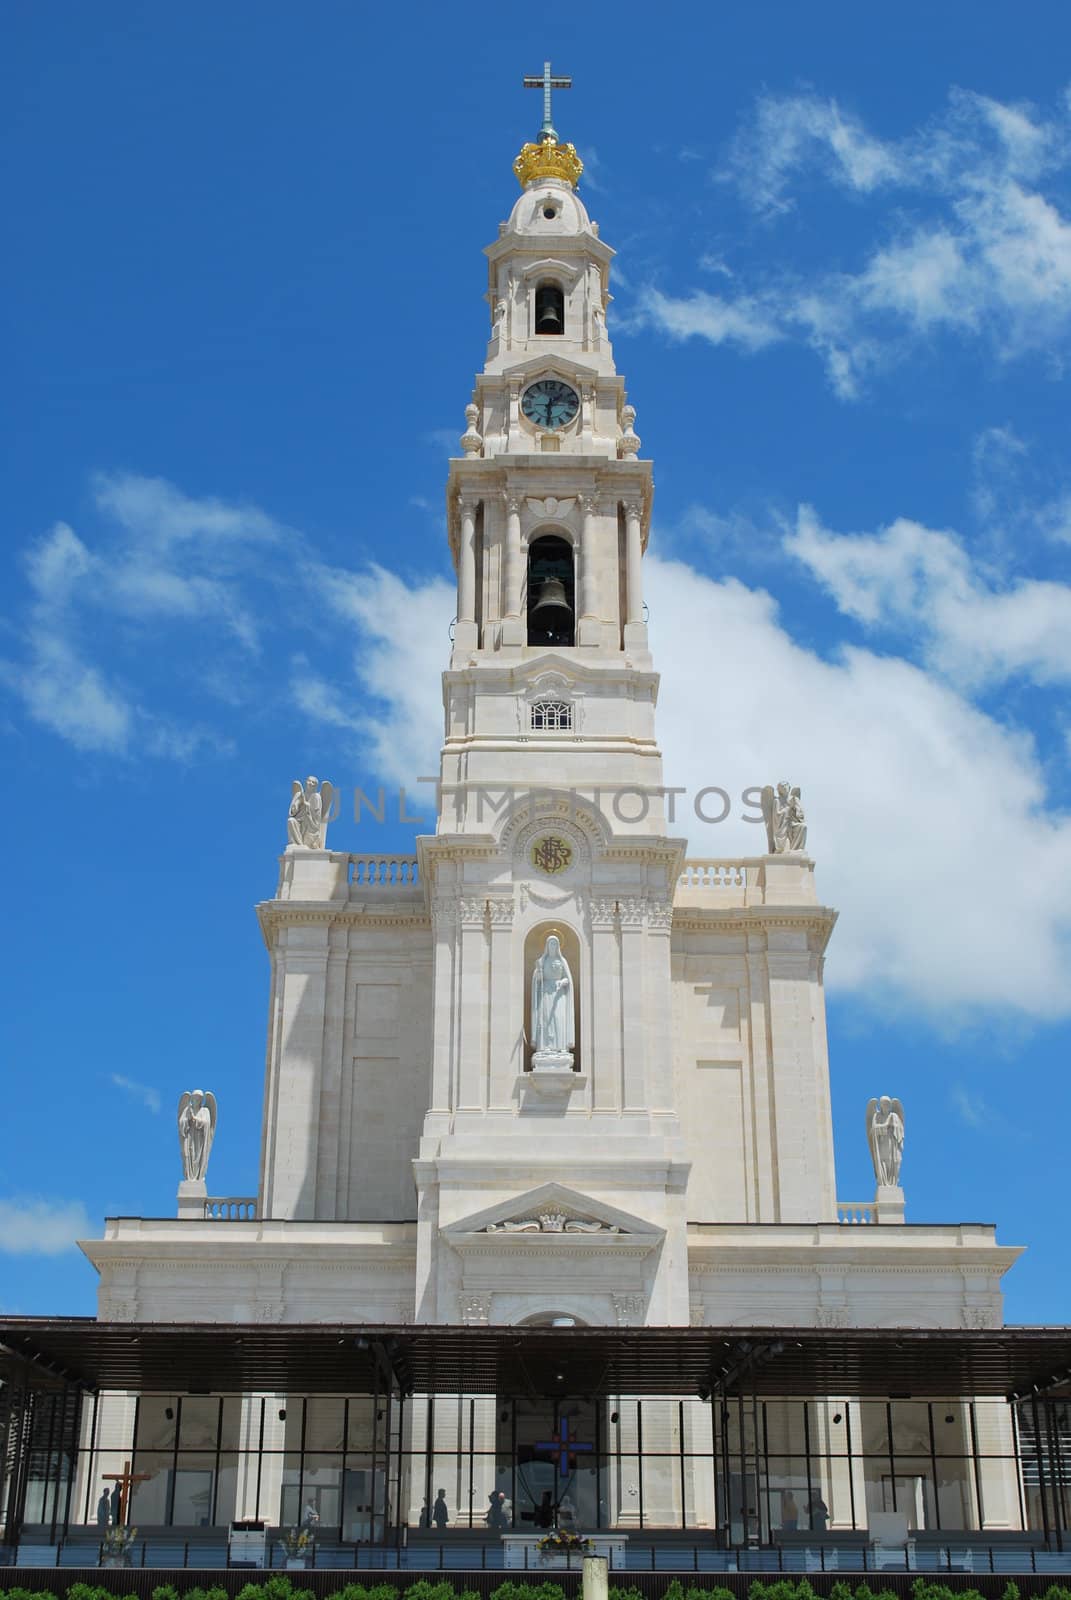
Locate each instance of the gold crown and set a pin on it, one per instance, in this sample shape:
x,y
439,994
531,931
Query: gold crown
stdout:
x,y
548,159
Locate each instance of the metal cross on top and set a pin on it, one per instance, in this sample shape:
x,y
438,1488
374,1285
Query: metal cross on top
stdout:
x,y
563,1447
547,83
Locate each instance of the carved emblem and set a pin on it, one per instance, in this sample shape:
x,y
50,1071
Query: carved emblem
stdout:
x,y
552,854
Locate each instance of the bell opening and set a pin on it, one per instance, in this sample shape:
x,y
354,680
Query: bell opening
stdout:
x,y
549,309
551,608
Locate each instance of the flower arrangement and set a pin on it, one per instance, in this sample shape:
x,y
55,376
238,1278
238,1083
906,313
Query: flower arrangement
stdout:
x,y
564,1540
297,1542
115,1544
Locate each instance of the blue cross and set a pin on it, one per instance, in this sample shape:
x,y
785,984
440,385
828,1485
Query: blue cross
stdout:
x,y
563,1447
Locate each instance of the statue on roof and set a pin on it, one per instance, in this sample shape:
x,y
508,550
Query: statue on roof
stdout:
x,y
196,1130
310,812
786,825
885,1136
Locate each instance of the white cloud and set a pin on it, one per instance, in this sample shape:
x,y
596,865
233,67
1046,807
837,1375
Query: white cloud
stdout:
x,y
398,664
744,322
914,797
789,132
163,558
33,1227
149,1097
990,259
920,581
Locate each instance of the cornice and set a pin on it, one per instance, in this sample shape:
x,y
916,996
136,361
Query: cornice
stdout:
x,y
745,919
274,914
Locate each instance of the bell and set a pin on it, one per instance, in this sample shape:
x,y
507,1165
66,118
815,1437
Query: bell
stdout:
x,y
552,610
550,318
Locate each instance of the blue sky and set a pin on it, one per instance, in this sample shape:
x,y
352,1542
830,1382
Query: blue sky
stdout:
x,y
242,306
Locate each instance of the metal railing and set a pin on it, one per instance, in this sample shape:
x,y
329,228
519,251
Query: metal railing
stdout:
x,y
466,1555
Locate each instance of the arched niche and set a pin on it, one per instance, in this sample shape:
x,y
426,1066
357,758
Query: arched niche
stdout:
x,y
551,591
534,945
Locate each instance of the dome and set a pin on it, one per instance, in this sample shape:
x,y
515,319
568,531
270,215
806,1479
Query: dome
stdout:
x,y
549,207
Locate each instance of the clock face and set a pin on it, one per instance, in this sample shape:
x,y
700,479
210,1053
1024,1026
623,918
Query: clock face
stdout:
x,y
550,403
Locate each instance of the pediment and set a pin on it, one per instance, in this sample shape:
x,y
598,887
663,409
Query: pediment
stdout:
x,y
552,1216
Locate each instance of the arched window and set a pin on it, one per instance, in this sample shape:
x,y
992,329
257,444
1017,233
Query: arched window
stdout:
x,y
551,608
552,716
549,309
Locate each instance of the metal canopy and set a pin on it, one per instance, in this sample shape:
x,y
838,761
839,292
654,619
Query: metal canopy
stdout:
x,y
347,1358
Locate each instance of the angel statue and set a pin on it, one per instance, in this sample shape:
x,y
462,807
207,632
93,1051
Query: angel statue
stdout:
x,y
196,1130
885,1136
552,1008
310,812
786,826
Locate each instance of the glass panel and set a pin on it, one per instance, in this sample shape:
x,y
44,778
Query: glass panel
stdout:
x,y
227,1489
148,1501
449,1492
830,1503
621,1491
290,1498
231,1432
787,1495
324,1419
321,1495
827,1422
199,1422
361,1494
784,1428
661,1489
907,1493
956,1496
697,1428
156,1422
194,1482
871,1436
911,1427
361,1416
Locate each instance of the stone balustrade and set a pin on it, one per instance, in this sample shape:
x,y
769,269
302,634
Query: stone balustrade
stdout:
x,y
702,873
710,883
231,1208
381,872
856,1212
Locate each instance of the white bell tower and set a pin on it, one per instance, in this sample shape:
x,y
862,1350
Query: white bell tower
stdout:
x,y
551,816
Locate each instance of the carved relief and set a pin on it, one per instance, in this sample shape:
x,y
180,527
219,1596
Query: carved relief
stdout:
x,y
833,1317
551,1222
474,1309
629,1309
980,1317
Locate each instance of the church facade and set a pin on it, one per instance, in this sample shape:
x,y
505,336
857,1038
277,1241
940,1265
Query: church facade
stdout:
x,y
548,1074
421,1160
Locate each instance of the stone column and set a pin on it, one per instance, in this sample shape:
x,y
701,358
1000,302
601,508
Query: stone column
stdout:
x,y
471,991
633,1023
604,1068
635,628
466,635
634,559
514,630
506,1060
588,625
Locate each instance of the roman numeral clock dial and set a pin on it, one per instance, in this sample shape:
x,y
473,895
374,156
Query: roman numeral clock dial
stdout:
x,y
550,403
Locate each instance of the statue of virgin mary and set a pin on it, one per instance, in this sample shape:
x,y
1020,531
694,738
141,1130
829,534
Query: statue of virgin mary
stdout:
x,y
553,1035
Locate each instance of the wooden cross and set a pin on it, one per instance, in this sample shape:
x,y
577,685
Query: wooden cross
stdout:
x,y
547,83
126,1480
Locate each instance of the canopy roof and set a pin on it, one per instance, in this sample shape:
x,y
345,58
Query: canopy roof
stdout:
x,y
348,1358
